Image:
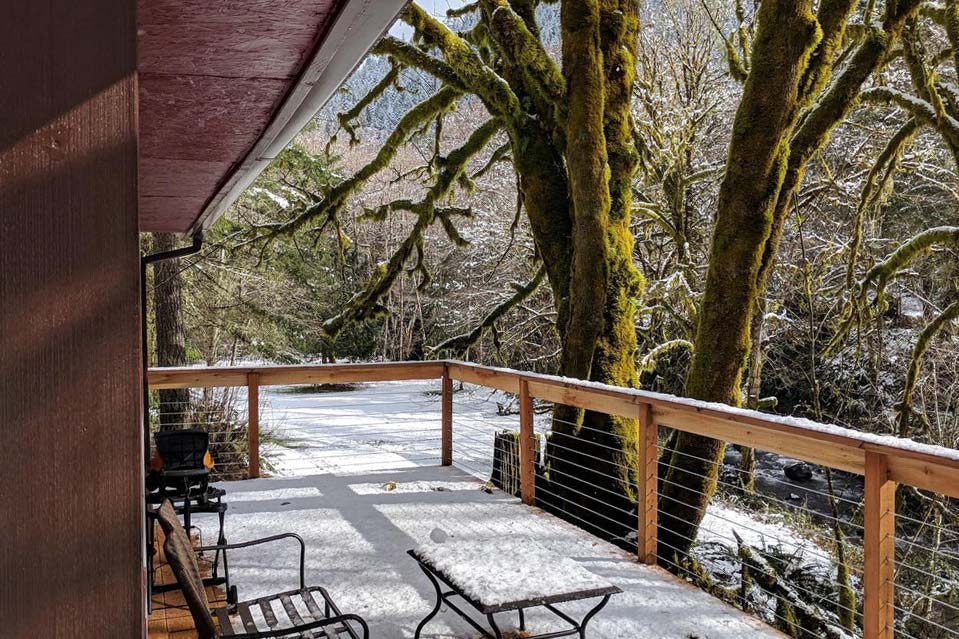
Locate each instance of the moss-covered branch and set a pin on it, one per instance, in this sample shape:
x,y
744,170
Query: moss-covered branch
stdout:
x,y
347,118
464,62
950,314
458,344
841,95
416,57
524,52
877,182
367,304
614,359
329,207
738,50
947,126
833,16
589,188
880,274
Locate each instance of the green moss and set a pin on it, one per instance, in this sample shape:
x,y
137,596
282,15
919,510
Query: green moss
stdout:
x,y
543,83
465,62
880,274
786,36
414,56
588,182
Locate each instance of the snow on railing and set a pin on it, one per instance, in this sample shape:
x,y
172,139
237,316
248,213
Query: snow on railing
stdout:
x,y
886,589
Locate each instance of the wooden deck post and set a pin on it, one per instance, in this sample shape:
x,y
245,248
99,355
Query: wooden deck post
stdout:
x,y
253,423
527,442
647,492
447,454
880,549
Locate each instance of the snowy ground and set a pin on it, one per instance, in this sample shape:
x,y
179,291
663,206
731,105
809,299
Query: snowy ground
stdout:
x,y
379,426
358,527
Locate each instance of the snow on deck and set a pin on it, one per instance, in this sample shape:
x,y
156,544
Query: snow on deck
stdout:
x,y
358,527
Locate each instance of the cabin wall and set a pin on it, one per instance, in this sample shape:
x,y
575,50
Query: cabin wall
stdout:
x,y
70,437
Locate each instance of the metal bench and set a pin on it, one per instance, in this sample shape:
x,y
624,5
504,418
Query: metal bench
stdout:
x,y
280,614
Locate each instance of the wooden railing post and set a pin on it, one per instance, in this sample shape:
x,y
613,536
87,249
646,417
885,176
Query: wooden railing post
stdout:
x,y
647,492
527,446
880,549
447,443
253,423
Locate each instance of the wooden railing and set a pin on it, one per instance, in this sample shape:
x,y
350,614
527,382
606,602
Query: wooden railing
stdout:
x,y
883,461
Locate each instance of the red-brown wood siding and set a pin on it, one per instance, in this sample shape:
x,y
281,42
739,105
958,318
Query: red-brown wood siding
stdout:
x,y
70,442
212,74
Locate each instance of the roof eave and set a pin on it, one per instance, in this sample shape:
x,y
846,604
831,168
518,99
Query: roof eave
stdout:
x,y
359,25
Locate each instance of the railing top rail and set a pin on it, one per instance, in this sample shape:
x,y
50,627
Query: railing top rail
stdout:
x,y
921,465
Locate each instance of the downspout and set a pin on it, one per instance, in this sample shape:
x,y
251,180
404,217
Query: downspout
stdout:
x,y
144,261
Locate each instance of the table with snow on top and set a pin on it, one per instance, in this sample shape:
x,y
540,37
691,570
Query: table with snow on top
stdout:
x,y
500,575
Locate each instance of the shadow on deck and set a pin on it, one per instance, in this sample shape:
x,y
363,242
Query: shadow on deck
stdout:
x,y
358,528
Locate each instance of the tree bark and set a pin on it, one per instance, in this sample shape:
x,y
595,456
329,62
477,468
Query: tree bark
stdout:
x,y
589,452
786,37
168,330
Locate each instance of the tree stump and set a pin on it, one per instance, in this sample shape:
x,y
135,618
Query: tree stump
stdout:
x,y
506,468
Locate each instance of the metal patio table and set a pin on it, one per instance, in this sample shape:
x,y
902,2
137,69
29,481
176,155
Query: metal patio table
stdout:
x,y
446,590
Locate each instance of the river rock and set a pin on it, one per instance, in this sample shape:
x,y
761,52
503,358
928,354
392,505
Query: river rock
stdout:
x,y
800,472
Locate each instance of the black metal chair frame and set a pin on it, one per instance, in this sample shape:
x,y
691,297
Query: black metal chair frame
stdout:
x,y
575,627
176,483
215,579
298,629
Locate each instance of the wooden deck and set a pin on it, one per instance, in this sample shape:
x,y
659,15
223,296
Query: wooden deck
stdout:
x,y
171,618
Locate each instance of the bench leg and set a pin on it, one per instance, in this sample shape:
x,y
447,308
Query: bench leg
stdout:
x,y
436,608
522,620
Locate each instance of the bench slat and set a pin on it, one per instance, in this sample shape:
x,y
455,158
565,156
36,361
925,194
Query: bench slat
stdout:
x,y
267,607
312,606
246,617
223,618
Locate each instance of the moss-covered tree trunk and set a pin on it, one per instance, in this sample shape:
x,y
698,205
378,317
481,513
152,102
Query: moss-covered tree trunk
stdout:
x,y
589,452
787,35
790,105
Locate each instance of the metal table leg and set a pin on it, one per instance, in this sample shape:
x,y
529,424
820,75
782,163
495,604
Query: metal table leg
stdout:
x,y
436,608
590,615
492,624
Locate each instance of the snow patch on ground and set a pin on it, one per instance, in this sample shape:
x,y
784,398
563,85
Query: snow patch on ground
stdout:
x,y
381,426
722,523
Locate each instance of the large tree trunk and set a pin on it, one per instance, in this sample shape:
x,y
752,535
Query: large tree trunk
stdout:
x,y
767,159
168,328
589,452
758,157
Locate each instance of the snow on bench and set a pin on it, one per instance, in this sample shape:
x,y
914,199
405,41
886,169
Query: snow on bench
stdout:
x,y
498,572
